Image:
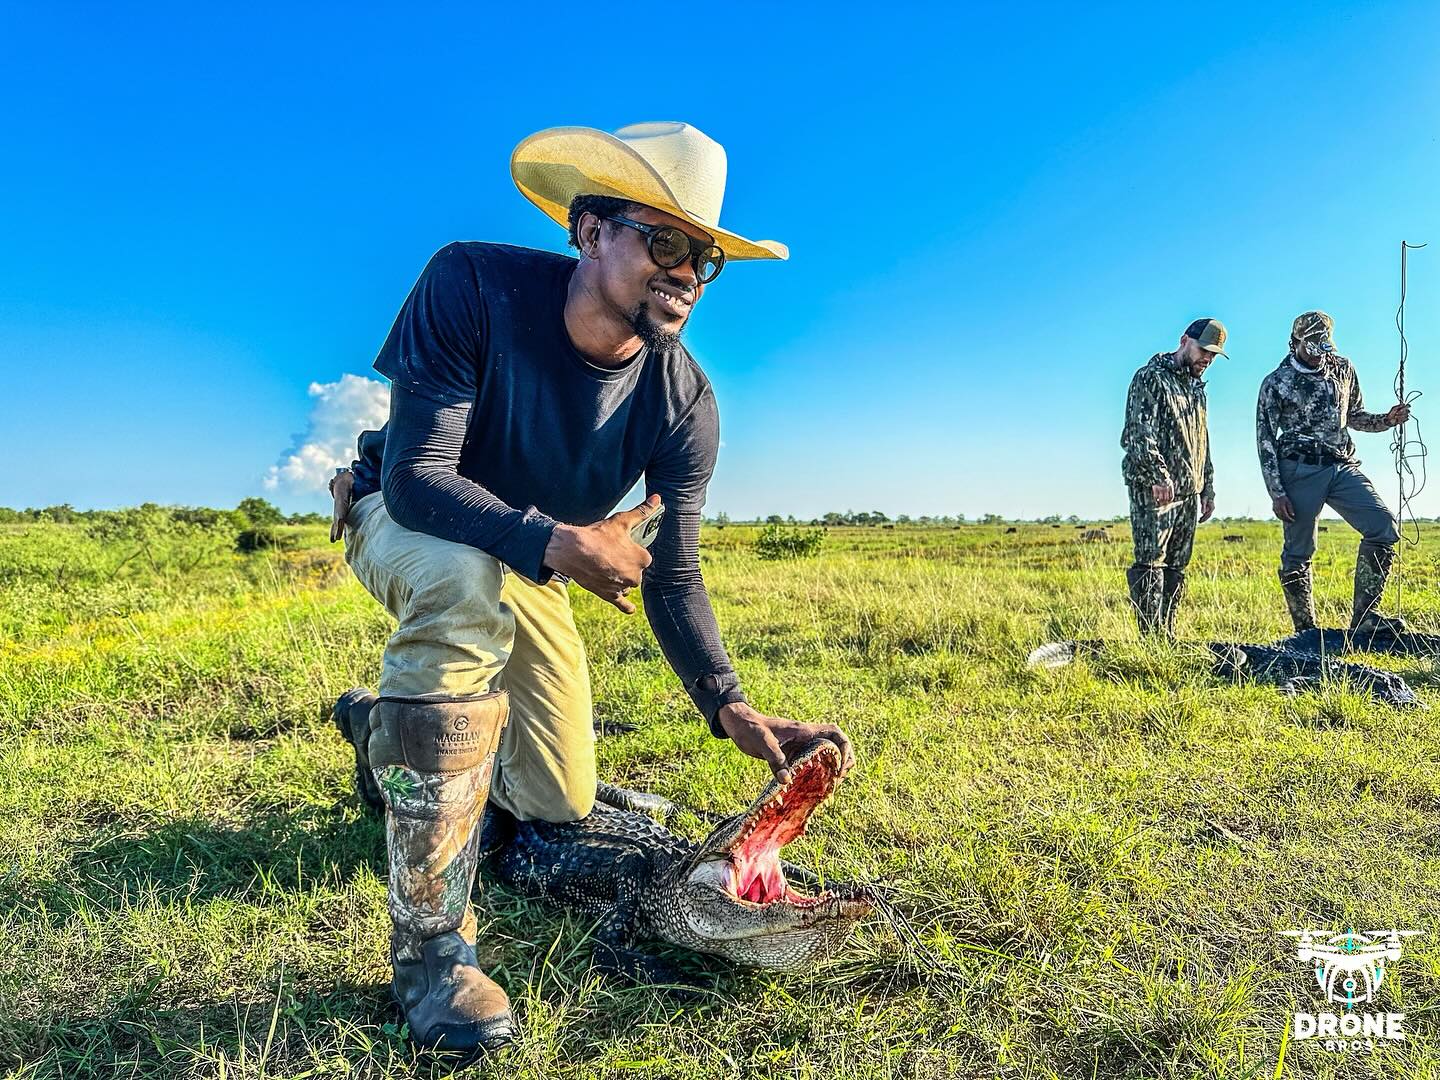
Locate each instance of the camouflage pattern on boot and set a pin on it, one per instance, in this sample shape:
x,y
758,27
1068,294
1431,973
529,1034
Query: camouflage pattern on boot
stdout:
x,y
1299,597
1147,586
1372,571
432,761
1172,593
431,838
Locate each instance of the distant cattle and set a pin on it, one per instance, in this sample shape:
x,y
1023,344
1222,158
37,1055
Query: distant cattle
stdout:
x,y
1011,529
1324,528
1096,536
1055,526
1082,526
1234,538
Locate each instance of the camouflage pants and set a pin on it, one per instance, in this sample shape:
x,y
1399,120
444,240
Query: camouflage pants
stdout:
x,y
1343,488
1163,538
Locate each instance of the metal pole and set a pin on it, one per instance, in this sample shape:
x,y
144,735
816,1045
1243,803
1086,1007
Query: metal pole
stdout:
x,y
1400,437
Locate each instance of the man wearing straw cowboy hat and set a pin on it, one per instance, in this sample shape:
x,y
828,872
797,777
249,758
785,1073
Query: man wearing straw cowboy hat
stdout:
x,y
529,392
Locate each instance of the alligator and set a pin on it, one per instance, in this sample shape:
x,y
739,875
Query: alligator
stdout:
x,y
730,895
1301,662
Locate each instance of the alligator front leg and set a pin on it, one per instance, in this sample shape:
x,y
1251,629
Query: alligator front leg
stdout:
x,y
618,929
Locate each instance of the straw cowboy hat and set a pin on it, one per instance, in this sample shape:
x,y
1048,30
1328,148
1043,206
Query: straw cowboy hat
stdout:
x,y
665,164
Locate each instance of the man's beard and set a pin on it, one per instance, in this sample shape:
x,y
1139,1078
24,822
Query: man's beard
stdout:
x,y
652,334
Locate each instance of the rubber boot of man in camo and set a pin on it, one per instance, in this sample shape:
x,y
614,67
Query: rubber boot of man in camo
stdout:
x,y
429,762
1372,570
1147,584
1298,586
1171,594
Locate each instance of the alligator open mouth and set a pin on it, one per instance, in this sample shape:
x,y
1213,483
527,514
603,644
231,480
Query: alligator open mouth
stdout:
x,y
742,856
778,818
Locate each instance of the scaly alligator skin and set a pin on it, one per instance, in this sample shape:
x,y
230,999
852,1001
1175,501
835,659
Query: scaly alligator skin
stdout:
x,y
1294,664
1295,671
1337,642
729,895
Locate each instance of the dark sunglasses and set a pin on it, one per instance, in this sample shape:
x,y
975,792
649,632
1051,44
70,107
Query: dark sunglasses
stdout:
x,y
669,247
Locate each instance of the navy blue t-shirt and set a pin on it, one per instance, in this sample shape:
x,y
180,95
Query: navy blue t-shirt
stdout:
x,y
548,432
499,429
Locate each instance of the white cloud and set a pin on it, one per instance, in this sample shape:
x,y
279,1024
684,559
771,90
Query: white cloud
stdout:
x,y
340,412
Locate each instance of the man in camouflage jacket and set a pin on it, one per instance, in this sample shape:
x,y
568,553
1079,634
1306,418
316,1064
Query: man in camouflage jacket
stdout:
x,y
1168,470
1308,461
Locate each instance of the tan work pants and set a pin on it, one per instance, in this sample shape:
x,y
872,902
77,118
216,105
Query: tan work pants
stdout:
x,y
468,624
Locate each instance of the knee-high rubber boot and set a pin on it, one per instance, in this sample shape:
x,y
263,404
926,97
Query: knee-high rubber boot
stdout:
x,y
1372,570
1172,592
351,715
1299,597
432,760
1147,587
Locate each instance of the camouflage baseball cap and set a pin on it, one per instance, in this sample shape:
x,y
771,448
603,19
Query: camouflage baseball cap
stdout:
x,y
1315,327
1209,334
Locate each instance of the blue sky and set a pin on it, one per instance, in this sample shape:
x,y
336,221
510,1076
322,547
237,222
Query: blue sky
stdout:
x,y
995,214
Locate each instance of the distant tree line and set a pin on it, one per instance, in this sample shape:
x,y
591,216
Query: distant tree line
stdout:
x,y
877,517
849,517
254,513
249,513
871,517
253,525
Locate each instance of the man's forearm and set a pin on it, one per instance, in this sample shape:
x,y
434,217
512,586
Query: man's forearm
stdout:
x,y
1358,418
1137,437
685,626
1270,470
1144,453
425,493
1367,421
1267,442
678,609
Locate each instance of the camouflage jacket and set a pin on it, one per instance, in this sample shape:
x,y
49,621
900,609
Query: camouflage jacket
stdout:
x,y
1165,438
1307,411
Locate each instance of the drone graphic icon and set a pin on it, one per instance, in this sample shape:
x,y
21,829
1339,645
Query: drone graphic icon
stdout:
x,y
1349,967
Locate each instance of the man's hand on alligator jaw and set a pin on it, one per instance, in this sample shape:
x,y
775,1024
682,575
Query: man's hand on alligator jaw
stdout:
x,y
775,740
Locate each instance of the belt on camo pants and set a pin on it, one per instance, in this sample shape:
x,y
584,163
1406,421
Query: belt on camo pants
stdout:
x,y
1316,457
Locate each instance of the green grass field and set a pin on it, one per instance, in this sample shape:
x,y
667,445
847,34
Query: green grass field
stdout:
x,y
1098,860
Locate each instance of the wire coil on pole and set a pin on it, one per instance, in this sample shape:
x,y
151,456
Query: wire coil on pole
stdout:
x,y
1409,478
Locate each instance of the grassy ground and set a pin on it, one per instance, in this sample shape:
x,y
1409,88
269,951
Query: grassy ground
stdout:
x,y
1101,858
